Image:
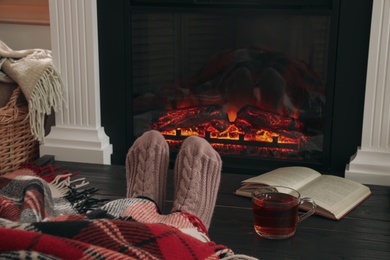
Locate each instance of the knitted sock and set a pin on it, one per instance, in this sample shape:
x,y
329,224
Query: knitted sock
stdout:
x,y
147,167
197,175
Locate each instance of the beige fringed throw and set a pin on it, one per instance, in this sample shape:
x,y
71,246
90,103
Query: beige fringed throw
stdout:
x,y
41,84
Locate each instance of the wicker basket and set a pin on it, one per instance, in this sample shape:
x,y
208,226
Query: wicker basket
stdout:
x,y
17,144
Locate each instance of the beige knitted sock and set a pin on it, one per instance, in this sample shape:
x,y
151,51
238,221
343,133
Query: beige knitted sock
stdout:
x,y
147,167
197,175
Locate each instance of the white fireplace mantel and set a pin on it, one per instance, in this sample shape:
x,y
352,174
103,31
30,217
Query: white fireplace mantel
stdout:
x,y
371,164
78,135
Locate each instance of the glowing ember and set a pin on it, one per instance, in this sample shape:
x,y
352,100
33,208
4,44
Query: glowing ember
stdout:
x,y
237,137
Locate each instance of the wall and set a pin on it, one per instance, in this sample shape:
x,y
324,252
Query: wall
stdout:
x,y
24,36
25,24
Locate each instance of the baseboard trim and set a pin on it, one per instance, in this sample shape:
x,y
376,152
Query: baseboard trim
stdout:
x,y
370,167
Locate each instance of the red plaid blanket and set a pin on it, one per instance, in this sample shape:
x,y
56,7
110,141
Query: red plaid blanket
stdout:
x,y
35,224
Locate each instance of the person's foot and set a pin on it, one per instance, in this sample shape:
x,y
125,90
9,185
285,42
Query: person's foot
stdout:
x,y
147,167
197,175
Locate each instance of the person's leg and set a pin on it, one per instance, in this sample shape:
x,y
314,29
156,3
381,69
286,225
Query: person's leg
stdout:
x,y
197,175
147,166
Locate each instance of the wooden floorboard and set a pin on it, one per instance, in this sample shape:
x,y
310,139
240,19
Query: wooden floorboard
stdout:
x,y
363,234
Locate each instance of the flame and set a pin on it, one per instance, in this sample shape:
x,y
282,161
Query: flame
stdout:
x,y
294,114
232,114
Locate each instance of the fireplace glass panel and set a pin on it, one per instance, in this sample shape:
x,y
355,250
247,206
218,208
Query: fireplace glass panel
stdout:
x,y
252,83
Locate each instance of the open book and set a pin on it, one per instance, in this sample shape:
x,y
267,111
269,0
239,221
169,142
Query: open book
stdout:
x,y
335,196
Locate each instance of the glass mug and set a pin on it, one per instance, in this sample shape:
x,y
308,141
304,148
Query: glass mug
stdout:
x,y
275,211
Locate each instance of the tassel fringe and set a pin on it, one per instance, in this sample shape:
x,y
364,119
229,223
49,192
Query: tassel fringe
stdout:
x,y
63,185
47,95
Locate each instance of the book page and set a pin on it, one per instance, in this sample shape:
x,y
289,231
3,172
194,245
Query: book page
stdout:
x,y
293,177
336,194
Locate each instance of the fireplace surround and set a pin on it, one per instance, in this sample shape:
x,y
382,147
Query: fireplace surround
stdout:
x,y
345,74
78,134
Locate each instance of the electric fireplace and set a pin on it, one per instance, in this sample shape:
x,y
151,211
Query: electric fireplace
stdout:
x,y
246,103
257,79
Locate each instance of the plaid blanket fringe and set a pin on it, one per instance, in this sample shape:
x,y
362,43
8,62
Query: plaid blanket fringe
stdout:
x,y
35,223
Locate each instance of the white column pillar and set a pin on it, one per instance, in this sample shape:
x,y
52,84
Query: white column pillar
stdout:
x,y
77,135
371,164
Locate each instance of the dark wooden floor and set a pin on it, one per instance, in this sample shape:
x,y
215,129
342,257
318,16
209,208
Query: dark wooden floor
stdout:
x,y
363,234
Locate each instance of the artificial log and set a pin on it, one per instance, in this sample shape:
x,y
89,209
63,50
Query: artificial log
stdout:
x,y
257,118
193,117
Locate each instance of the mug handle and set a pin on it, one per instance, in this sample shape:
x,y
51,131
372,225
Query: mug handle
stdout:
x,y
307,214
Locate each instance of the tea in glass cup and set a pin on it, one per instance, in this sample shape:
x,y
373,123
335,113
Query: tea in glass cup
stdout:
x,y
276,211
